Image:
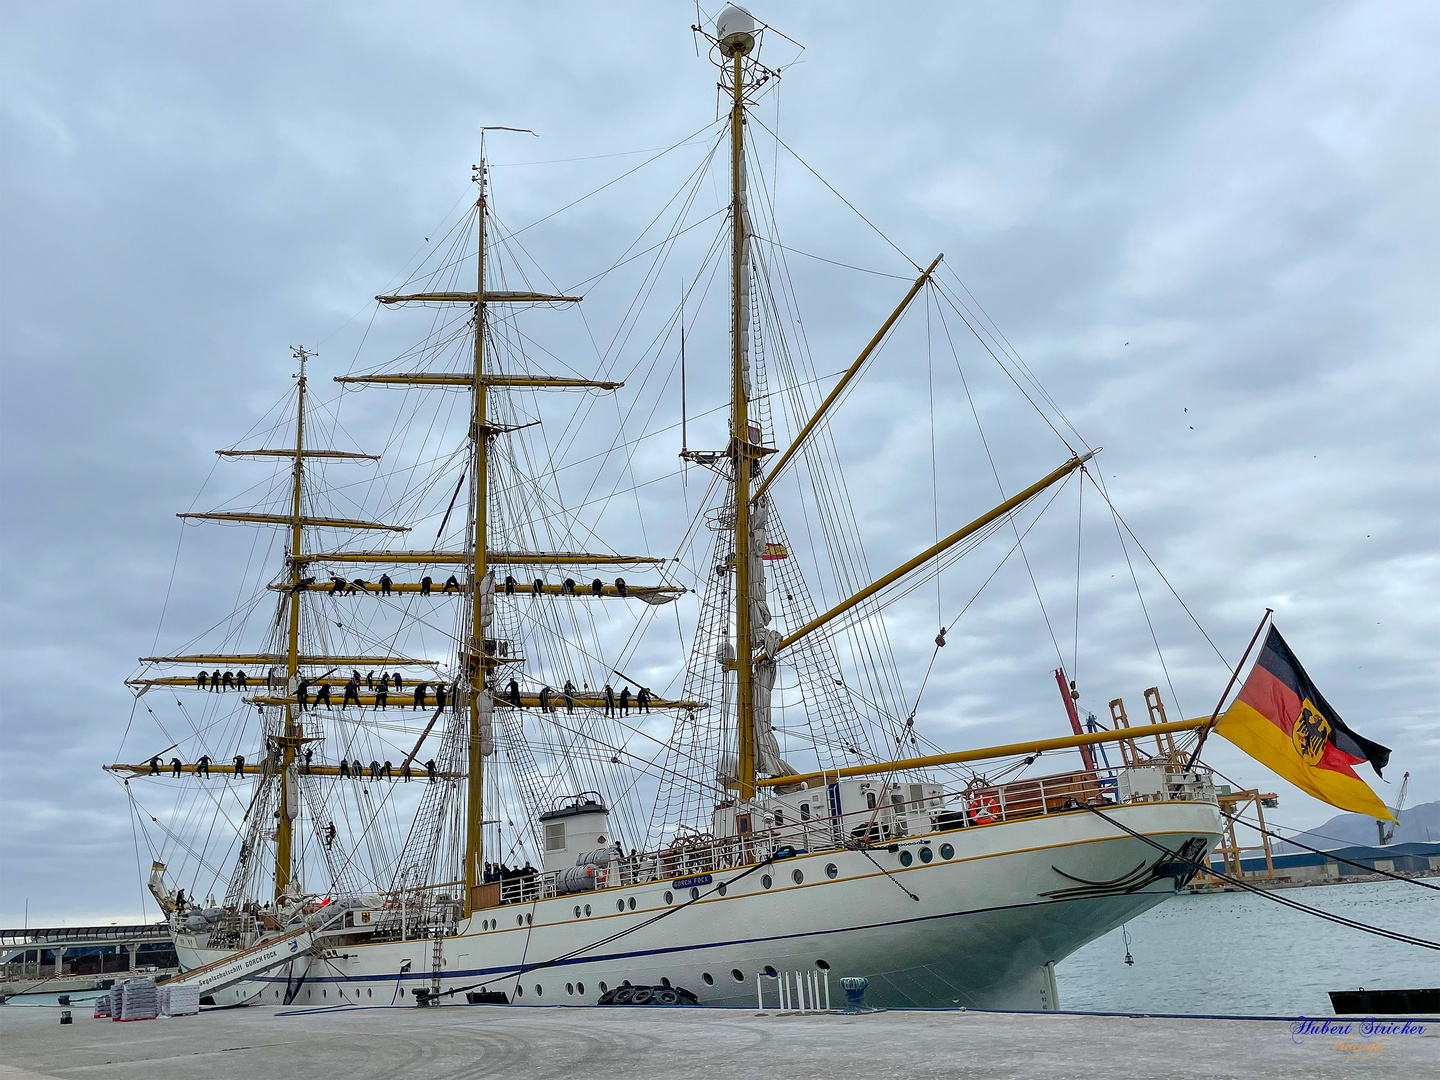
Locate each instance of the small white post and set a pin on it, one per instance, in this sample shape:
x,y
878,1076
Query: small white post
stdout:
x,y
784,1005
800,990
827,991
815,991
759,994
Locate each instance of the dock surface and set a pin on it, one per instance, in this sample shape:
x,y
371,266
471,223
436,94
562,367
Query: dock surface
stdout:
x,y
451,1043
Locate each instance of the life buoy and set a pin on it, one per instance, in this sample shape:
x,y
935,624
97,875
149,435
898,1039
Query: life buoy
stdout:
x,y
984,809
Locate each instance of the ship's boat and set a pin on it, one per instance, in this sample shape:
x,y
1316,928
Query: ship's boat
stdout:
x,y
454,768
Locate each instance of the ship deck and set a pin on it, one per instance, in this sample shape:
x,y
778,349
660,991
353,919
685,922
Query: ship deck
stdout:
x,y
678,1044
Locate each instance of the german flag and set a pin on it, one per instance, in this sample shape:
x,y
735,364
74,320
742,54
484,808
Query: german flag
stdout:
x,y
1282,721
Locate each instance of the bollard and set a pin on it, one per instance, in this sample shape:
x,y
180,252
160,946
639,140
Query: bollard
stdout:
x,y
854,988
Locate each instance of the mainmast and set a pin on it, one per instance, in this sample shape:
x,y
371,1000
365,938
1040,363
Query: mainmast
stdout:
x,y
476,669
735,30
292,735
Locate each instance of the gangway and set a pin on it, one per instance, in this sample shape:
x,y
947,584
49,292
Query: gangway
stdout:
x,y
247,963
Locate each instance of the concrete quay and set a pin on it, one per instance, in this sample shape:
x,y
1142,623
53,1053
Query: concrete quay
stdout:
x,y
455,1042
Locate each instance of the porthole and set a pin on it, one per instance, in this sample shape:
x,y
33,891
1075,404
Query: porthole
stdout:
x,y
519,920
721,889
926,854
906,858
369,992
324,993
770,971
947,851
603,988
694,894
529,919
797,876
766,881
619,905
538,991
587,911
577,911
580,988
823,965
737,974
570,989
631,902
832,871
709,979
665,982
669,897
519,990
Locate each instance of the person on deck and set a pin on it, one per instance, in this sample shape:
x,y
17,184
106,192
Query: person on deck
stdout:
x,y
625,701
514,688
202,680
425,583
452,584
385,584
430,770
419,695
609,700
174,766
239,764
352,690
155,765
642,700
569,696
323,697
202,767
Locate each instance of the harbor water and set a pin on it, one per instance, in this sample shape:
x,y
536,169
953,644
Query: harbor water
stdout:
x,y
1238,953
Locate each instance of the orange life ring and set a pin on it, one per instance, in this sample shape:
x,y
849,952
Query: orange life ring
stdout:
x,y
984,809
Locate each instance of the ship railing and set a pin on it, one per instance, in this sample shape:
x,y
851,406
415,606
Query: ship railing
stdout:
x,y
886,822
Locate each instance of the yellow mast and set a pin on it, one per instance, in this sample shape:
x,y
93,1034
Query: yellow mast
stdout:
x,y
740,435
478,675
284,832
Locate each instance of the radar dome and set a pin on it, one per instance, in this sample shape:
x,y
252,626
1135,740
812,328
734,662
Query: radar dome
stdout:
x,y
736,30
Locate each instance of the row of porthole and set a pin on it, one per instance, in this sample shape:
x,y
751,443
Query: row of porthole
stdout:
x,y
947,851
369,992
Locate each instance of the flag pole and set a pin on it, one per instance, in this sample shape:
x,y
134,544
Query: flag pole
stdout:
x,y
1228,687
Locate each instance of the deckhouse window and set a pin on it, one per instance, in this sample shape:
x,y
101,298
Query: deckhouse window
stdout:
x,y
555,836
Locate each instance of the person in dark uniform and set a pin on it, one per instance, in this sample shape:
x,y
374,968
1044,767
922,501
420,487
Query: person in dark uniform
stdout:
x,y
358,583
385,771
214,681
597,587
240,680
202,767
569,696
174,766
509,584
419,695
440,695
374,770
514,688
369,680
452,584
385,584
395,679
202,680
239,764
625,701
329,834
352,690
642,700
609,700
155,765
381,693
356,769
430,770
545,699
425,583
228,682
620,586
323,697
537,586
405,772
337,585
567,587
302,694
344,767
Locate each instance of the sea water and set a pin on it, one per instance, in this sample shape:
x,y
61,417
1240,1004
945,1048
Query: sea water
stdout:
x,y
1239,953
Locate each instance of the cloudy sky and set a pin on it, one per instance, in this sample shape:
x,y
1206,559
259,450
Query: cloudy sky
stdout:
x,y
1210,230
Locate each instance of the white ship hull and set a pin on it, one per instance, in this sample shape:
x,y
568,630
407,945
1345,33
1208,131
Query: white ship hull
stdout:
x,y
988,925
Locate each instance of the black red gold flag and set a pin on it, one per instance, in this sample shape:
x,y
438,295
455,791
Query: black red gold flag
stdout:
x,y
1282,721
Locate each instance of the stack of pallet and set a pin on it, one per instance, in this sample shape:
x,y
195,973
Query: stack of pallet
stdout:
x,y
140,1000
179,1000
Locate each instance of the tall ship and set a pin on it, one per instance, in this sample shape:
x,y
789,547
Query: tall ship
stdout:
x,y
452,770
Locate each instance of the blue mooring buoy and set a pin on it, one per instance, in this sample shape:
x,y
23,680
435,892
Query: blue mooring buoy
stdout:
x,y
854,988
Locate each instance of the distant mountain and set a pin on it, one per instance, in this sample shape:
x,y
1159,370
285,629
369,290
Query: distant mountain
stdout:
x,y
1418,824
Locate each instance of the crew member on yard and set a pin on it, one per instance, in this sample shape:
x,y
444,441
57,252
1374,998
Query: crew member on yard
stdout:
x,y
239,764
155,765
202,767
